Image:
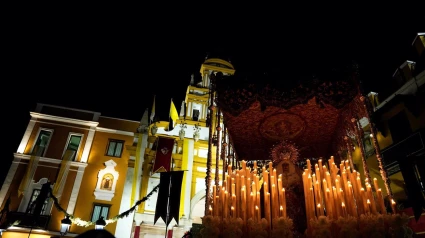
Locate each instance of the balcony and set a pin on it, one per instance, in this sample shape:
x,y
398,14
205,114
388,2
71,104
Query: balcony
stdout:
x,y
27,220
412,145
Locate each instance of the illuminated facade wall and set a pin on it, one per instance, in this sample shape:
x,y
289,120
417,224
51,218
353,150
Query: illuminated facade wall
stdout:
x,y
96,140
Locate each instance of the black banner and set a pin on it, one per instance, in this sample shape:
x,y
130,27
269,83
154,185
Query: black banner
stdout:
x,y
170,184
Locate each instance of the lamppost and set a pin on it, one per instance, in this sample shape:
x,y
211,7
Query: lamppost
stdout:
x,y
100,224
1,231
65,223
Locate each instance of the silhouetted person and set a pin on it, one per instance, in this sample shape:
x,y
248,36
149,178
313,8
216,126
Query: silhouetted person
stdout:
x,y
96,234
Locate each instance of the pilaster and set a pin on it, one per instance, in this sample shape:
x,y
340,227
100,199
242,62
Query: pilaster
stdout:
x,y
87,145
26,137
75,190
9,178
187,166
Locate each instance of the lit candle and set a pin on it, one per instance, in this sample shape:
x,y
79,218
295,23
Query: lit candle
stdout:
x,y
368,205
281,211
375,184
267,207
232,211
319,210
393,206
381,201
226,204
308,166
210,212
344,210
283,202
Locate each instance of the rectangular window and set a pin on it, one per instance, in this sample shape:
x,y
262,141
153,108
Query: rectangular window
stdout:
x,y
115,148
42,142
73,144
31,203
195,115
100,210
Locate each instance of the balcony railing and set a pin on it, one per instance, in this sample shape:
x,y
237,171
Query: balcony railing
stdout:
x,y
407,147
27,220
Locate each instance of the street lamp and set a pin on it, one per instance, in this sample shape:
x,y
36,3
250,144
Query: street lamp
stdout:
x,y
65,223
100,224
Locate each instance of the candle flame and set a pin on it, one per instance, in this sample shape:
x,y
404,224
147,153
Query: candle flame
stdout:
x,y
256,207
392,201
342,204
281,208
318,205
232,208
368,201
210,208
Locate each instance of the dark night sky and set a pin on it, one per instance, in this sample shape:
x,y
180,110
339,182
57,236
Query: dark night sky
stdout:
x,y
115,63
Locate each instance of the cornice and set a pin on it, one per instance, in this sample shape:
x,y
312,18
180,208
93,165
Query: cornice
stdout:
x,y
113,131
63,119
49,160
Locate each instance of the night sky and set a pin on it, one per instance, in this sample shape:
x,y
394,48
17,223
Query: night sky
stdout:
x,y
114,64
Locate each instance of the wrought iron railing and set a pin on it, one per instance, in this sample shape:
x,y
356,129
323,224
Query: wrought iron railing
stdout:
x,y
28,220
407,147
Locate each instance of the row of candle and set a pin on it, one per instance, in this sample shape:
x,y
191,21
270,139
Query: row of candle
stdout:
x,y
238,196
334,194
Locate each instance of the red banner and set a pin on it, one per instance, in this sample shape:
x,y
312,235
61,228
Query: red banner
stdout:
x,y
164,150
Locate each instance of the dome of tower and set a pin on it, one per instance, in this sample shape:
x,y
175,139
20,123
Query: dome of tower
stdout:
x,y
218,63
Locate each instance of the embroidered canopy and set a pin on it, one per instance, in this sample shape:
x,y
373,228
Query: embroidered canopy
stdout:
x,y
313,114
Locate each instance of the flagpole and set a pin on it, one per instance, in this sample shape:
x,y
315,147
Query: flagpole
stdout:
x,y
169,115
168,206
153,109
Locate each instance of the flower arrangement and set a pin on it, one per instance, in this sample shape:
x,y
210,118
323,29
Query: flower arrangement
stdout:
x,y
257,229
282,227
346,227
397,225
320,227
367,225
232,228
371,225
211,227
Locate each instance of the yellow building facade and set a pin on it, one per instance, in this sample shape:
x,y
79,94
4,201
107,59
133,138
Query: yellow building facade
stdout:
x,y
100,166
83,156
